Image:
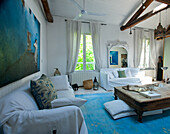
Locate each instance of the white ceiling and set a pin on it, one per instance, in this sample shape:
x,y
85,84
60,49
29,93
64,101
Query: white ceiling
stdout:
x,y
117,11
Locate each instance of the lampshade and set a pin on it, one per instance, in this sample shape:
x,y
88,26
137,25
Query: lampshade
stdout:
x,y
168,30
57,72
160,32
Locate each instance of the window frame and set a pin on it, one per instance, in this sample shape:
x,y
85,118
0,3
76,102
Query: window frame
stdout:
x,y
84,55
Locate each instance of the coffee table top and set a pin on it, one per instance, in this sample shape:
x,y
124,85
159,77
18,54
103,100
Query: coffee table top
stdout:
x,y
165,94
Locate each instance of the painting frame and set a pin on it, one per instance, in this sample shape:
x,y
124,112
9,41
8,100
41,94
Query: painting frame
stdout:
x,y
114,57
19,41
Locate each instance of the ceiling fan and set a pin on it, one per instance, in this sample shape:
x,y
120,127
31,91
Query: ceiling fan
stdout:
x,y
83,11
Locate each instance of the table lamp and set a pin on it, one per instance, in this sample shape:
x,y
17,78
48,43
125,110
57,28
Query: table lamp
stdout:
x,y
57,72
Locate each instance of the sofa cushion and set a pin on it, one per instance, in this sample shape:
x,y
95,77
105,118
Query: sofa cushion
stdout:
x,y
128,73
65,93
43,92
126,81
134,71
110,74
60,82
67,102
121,74
115,73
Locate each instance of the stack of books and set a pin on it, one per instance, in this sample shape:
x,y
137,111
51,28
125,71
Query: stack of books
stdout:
x,y
150,94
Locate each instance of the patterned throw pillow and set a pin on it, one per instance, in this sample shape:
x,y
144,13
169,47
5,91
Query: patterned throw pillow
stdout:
x,y
121,74
43,92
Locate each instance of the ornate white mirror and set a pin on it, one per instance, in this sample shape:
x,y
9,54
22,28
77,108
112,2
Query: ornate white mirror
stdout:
x,y
117,54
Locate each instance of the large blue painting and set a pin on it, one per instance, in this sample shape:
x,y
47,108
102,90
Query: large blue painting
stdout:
x,y
113,57
19,41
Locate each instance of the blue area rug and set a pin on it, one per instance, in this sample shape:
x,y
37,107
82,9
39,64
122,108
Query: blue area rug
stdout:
x,y
99,121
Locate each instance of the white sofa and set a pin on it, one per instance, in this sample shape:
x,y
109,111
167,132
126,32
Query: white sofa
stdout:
x,y
134,76
19,114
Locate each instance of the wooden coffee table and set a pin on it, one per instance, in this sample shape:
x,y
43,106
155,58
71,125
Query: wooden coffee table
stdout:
x,y
142,104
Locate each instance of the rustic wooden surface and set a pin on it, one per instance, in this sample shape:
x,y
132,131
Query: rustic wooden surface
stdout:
x,y
142,104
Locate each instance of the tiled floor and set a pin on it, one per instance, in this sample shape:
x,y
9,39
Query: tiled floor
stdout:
x,y
81,90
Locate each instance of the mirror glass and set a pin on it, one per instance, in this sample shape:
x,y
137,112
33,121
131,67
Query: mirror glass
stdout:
x,y
118,57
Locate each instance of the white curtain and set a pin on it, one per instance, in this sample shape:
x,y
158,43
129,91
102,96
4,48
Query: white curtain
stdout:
x,y
73,44
153,50
138,43
95,32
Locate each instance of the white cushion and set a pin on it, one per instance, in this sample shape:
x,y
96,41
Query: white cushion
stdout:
x,y
69,93
118,108
115,73
60,82
134,71
110,75
128,73
121,115
67,102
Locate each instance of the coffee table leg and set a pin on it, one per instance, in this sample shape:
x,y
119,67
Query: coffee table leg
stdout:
x,y
139,113
115,96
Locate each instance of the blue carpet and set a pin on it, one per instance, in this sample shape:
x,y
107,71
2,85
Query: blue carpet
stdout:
x,y
98,120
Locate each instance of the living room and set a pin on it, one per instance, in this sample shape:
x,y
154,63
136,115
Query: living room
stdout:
x,y
101,28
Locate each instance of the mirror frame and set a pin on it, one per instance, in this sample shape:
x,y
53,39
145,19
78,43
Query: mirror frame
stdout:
x,y
117,43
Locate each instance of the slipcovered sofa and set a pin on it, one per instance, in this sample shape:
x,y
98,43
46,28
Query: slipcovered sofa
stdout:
x,y
134,76
20,114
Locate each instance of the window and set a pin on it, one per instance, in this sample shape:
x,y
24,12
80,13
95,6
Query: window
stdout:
x,y
145,54
86,57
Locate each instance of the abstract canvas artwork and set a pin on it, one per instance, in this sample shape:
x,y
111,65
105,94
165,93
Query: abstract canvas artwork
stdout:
x,y
19,41
113,57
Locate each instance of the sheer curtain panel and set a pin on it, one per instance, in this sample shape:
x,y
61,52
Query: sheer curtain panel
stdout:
x,y
138,43
95,32
73,44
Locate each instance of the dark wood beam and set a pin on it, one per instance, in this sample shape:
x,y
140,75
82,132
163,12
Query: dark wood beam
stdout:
x,y
142,18
164,1
140,11
47,10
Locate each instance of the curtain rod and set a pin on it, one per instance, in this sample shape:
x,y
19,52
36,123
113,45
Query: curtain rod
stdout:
x,y
89,22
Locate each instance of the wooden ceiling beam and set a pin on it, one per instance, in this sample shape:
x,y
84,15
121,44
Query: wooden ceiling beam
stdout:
x,y
140,11
164,1
47,10
142,18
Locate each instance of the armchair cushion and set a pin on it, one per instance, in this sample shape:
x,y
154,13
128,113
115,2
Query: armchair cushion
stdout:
x,y
60,82
67,102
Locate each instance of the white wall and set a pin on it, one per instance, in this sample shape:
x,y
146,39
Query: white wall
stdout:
x,y
34,6
56,48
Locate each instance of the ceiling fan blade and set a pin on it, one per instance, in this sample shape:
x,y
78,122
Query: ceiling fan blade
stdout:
x,y
78,16
74,2
96,14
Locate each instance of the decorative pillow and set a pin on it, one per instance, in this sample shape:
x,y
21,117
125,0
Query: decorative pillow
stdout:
x,y
60,82
134,71
121,74
128,73
115,73
67,102
43,92
111,76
